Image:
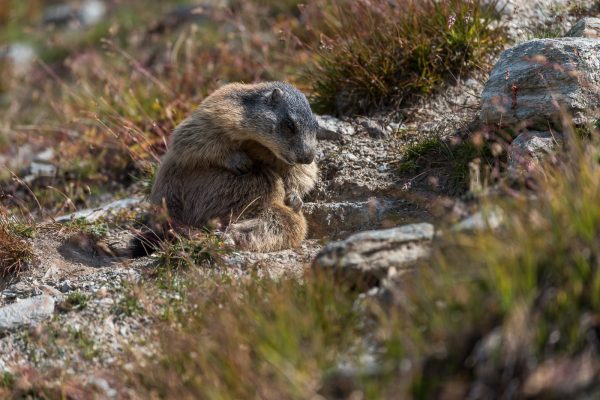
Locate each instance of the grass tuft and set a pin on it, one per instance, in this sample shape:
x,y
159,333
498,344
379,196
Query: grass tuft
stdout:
x,y
382,53
185,252
16,253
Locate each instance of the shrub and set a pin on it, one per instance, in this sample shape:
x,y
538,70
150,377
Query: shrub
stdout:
x,y
382,52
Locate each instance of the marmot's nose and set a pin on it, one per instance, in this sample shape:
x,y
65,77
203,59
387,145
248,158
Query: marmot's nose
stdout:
x,y
306,157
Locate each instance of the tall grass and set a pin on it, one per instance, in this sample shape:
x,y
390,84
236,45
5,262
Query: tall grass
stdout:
x,y
380,52
251,338
489,308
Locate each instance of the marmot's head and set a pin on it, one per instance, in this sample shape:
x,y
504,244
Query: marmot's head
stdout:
x,y
278,116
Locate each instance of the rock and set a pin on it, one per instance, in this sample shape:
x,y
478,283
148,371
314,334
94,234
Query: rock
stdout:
x,y
365,258
587,28
394,127
94,214
37,169
288,262
485,219
45,156
373,128
59,15
335,219
20,56
532,82
331,128
26,312
181,15
65,287
524,19
89,12
528,150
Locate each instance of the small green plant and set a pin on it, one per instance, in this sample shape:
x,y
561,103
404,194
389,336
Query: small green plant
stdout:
x,y
84,343
96,230
77,300
6,380
129,305
382,52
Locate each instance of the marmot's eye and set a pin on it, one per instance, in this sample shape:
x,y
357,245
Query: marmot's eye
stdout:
x,y
290,126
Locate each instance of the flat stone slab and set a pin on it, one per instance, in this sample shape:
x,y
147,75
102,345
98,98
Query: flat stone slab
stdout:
x,y
94,214
365,258
26,312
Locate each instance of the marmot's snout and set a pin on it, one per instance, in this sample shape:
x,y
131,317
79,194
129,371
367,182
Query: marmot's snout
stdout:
x,y
307,155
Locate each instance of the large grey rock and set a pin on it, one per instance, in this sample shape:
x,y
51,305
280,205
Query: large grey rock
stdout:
x,y
335,219
587,27
533,81
365,258
331,128
528,150
26,312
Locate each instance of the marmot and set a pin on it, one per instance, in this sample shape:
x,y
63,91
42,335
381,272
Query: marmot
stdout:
x,y
246,153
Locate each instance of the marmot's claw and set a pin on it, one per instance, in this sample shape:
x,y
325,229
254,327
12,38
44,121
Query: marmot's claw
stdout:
x,y
294,200
240,163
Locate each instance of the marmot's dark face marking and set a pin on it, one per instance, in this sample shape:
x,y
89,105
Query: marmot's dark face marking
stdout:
x,y
281,120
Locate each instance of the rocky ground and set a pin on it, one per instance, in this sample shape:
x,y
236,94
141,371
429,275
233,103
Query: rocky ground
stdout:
x,y
78,284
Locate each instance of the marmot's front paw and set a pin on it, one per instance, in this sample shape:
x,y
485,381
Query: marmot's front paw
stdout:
x,y
294,200
240,163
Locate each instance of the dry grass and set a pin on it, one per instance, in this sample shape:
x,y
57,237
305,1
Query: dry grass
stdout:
x,y
248,338
16,253
381,53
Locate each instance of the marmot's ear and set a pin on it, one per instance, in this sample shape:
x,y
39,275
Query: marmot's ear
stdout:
x,y
276,96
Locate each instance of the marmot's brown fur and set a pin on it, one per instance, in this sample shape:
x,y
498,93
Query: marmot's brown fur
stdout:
x,y
246,157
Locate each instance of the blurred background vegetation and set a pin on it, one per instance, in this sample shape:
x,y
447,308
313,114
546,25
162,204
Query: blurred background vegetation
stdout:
x,y
97,86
